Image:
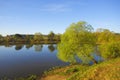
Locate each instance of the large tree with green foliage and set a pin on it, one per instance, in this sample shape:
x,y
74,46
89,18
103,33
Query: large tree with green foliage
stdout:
x,y
110,49
78,40
109,43
104,36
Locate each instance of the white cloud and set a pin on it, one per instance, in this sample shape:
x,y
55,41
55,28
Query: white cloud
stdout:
x,y
62,7
55,8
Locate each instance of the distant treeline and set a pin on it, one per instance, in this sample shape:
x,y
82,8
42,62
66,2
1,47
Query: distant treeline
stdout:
x,y
30,39
101,36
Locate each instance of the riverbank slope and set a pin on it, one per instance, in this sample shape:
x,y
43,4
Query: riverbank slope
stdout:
x,y
108,70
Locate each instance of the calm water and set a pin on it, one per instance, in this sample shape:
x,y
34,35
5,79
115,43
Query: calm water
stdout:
x,y
24,60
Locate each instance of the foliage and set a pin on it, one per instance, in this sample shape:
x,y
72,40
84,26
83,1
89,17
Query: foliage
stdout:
x,y
30,39
18,36
117,36
38,37
66,70
108,70
109,43
31,77
110,50
57,37
1,36
78,40
51,35
104,36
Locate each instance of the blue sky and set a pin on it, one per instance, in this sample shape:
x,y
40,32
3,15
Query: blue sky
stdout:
x,y
31,16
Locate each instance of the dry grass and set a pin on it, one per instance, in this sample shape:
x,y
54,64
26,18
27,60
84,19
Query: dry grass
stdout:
x,y
108,70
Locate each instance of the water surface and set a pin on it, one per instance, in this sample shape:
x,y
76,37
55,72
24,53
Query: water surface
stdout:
x,y
25,60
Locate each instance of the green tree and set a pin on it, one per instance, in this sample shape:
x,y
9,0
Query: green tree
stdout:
x,y
51,35
117,36
109,43
57,37
104,36
78,40
38,37
27,38
1,38
18,38
110,50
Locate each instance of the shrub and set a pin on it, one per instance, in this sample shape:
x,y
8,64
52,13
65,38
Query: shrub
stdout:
x,y
110,50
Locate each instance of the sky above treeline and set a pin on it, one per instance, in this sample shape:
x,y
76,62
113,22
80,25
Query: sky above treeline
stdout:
x,y
31,16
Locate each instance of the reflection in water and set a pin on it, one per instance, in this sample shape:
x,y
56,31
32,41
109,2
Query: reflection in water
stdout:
x,y
7,45
38,48
51,47
28,46
19,47
13,64
80,58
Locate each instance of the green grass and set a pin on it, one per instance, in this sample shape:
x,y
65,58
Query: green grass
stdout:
x,y
66,71
31,77
108,70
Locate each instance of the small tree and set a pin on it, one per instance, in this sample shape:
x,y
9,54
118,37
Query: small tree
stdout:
x,y
1,36
38,37
57,37
51,36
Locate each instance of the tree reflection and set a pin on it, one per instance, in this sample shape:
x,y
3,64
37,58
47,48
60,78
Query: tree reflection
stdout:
x,y
51,47
28,46
7,45
19,47
38,48
79,58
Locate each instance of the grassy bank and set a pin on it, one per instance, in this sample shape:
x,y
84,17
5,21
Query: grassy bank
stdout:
x,y
108,70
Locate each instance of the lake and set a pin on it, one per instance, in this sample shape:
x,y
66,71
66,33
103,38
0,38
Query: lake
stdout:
x,y
24,60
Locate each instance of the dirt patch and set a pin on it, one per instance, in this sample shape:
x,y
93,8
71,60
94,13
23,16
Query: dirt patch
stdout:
x,y
60,73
